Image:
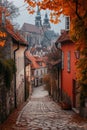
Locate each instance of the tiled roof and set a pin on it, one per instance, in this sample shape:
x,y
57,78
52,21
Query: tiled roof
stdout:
x,y
10,29
31,28
40,59
35,61
17,36
44,64
64,37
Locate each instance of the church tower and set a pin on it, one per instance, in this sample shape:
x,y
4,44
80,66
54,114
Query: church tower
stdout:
x,y
38,22
46,23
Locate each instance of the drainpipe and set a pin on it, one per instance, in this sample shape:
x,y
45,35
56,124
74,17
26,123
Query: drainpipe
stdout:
x,y
61,83
59,69
15,94
25,72
58,82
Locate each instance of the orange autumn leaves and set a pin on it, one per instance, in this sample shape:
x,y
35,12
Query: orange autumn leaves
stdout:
x,y
2,43
77,11
3,34
72,8
31,6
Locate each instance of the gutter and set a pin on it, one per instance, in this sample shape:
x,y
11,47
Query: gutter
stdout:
x,y
15,94
25,72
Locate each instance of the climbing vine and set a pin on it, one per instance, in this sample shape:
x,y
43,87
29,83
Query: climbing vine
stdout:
x,y
7,69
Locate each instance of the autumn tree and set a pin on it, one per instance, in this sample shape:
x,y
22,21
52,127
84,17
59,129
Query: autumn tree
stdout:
x,y
51,79
8,11
77,10
12,10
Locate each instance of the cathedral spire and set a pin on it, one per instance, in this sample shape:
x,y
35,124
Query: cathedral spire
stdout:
x,y
46,21
38,18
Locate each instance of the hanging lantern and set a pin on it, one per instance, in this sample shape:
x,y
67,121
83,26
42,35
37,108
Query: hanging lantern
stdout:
x,y
77,54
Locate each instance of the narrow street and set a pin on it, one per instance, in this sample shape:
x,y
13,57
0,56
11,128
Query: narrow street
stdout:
x,y
41,113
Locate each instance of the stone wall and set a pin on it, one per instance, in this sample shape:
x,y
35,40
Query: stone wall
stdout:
x,y
6,51
6,95
2,100
6,100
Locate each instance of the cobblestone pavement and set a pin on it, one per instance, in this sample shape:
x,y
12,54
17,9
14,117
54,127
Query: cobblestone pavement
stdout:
x,y
41,113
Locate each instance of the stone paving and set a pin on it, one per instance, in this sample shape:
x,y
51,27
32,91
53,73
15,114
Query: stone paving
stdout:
x,y
42,113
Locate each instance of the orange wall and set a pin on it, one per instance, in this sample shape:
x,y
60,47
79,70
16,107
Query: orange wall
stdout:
x,y
67,77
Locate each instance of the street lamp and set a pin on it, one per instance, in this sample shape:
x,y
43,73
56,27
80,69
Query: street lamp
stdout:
x,y
77,54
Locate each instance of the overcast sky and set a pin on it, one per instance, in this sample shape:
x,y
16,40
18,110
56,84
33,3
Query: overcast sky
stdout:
x,y
25,17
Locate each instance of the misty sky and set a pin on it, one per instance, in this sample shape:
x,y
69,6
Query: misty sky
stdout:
x,y
25,17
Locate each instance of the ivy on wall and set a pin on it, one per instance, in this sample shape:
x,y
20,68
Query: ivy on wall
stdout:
x,y
7,69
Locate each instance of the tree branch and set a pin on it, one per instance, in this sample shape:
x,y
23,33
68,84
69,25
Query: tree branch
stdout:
x,y
77,10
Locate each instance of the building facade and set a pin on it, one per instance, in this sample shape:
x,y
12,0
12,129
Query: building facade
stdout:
x,y
12,51
69,86
38,69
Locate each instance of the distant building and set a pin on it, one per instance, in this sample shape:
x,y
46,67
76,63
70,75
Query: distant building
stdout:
x,y
38,21
39,34
38,69
39,51
32,34
46,23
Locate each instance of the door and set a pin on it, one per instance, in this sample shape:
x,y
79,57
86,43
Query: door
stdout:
x,y
74,93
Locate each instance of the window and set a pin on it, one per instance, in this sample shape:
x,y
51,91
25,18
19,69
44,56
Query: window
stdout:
x,y
67,23
36,72
41,72
62,60
68,61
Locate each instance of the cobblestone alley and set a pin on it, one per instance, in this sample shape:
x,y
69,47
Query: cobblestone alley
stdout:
x,y
41,113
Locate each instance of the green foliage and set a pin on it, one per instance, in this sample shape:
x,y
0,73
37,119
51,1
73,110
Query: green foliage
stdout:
x,y
7,69
83,95
47,81
79,35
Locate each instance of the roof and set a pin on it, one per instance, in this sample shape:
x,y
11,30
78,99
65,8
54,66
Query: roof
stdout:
x,y
35,61
64,37
17,37
31,28
10,29
34,64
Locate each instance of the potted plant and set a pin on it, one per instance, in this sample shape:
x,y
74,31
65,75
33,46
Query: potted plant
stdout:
x,y
66,103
